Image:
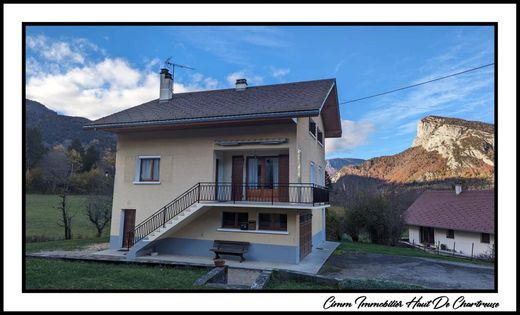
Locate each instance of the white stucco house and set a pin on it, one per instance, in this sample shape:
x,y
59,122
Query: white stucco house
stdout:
x,y
460,221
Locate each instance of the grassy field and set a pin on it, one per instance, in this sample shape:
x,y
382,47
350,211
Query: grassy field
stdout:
x,y
395,250
42,218
49,274
73,244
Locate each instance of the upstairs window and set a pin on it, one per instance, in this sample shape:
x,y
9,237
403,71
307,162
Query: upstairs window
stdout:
x,y
149,169
320,136
450,234
312,127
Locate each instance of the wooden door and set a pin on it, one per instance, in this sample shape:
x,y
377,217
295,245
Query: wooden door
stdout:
x,y
305,234
427,235
128,225
283,178
237,177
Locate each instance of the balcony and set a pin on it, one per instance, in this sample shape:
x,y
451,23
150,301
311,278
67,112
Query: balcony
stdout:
x,y
294,195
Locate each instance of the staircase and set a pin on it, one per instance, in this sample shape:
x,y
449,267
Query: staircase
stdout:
x,y
168,217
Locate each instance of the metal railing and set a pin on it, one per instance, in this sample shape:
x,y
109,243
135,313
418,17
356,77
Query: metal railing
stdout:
x,y
229,192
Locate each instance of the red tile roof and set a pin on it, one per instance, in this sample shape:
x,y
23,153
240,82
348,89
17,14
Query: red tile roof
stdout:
x,y
472,211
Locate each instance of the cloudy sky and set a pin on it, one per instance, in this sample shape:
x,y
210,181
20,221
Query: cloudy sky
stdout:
x,y
94,71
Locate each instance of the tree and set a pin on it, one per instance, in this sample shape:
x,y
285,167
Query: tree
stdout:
x,y
66,215
328,180
74,159
99,210
34,148
77,146
90,158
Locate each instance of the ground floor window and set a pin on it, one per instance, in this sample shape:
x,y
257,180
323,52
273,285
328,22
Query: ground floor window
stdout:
x,y
484,238
233,220
272,221
450,234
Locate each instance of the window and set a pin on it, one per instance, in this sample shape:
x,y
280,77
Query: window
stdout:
x,y
312,127
148,169
450,234
232,220
262,172
272,221
321,176
484,238
320,136
313,174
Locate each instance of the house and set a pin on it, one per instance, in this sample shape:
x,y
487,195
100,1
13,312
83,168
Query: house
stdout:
x,y
460,221
242,164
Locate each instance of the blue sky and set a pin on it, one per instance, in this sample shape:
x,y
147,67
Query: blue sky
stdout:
x,y
93,71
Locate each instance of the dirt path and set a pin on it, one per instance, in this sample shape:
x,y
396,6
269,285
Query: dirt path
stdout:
x,y
429,273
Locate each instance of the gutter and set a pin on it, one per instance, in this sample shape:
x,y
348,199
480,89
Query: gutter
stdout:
x,y
303,113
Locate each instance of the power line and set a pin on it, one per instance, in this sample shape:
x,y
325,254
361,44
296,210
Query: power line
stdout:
x,y
418,84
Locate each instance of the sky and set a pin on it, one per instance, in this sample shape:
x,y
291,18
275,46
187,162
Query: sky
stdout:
x,y
93,71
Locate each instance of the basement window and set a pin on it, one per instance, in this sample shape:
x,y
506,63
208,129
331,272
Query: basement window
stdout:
x,y
272,221
233,220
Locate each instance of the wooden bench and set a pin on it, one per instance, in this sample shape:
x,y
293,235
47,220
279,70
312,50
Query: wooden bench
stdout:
x,y
230,248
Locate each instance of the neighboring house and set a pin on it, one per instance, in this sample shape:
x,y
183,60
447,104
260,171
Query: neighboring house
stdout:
x,y
460,220
241,164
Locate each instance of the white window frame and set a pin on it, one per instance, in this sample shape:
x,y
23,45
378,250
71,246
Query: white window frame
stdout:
x,y
137,177
315,129
312,174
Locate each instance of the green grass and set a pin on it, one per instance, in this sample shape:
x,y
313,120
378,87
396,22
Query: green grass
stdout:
x,y
73,244
42,217
53,274
395,250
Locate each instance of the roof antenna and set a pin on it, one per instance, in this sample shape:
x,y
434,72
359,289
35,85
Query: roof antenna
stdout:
x,y
170,65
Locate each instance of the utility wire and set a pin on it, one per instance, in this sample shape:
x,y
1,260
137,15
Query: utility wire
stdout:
x,y
418,84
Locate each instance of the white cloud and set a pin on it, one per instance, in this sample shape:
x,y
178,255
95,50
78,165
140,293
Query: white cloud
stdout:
x,y
279,72
243,74
354,134
102,88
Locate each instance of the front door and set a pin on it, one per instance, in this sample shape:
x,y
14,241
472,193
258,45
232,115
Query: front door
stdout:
x,y
427,235
305,234
128,225
237,177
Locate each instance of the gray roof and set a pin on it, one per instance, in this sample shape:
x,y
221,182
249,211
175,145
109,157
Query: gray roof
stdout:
x,y
278,100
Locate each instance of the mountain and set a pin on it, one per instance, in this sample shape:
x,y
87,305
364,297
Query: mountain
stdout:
x,y
334,165
443,149
61,129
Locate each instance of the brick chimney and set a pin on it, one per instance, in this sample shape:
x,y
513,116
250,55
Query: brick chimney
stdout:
x,y
166,86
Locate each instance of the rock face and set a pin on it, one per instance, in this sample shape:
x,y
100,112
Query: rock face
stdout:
x,y
463,143
444,148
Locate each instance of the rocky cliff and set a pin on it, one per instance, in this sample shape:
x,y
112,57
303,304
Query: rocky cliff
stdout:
x,y
444,148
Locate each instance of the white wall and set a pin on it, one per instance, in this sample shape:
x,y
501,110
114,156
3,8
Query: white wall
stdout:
x,y
462,241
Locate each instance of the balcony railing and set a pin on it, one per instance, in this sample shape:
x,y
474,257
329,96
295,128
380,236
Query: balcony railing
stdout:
x,y
230,192
275,193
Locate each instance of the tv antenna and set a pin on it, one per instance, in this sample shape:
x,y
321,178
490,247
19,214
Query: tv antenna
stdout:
x,y
170,65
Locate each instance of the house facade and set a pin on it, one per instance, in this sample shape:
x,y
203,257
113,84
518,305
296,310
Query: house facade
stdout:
x,y
243,164
455,221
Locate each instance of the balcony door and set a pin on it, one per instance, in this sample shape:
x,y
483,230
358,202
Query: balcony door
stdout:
x,y
237,175
264,175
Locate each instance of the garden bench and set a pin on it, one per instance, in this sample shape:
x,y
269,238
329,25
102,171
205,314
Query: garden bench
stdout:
x,y
230,248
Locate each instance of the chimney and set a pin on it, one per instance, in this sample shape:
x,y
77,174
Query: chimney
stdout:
x,y
458,189
166,86
241,84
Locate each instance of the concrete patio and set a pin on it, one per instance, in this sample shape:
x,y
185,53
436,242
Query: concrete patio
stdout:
x,y
311,264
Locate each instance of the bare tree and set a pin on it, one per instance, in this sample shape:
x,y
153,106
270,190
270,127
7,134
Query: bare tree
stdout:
x,y
99,210
66,214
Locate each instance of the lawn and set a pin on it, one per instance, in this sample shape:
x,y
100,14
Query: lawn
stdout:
x,y
396,250
42,217
73,244
50,274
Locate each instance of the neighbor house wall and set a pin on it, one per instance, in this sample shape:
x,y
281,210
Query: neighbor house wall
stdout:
x,y
462,240
187,157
